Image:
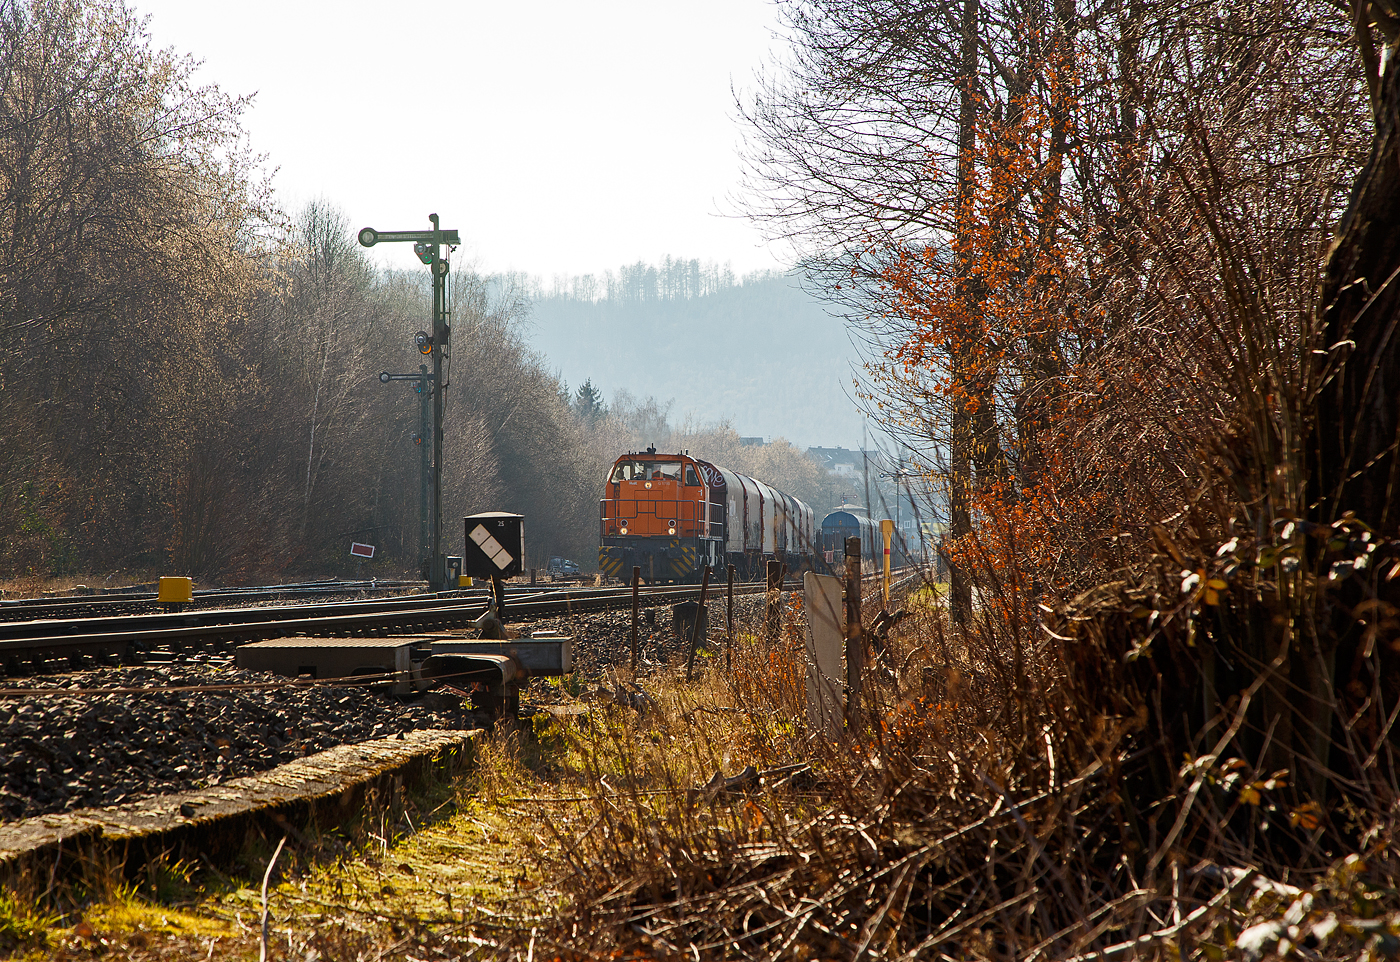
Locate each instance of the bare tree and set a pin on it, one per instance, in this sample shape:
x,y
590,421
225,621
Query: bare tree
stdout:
x,y
129,211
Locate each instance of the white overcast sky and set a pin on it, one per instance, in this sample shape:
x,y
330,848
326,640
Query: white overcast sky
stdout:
x,y
557,137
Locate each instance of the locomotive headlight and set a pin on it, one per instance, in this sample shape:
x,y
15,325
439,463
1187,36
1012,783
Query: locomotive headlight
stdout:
x,y
648,484
624,529
671,530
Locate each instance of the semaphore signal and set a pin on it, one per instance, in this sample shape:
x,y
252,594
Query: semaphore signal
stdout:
x,y
427,245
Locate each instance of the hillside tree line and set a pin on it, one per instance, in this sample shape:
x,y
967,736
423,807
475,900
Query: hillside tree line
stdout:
x,y
188,375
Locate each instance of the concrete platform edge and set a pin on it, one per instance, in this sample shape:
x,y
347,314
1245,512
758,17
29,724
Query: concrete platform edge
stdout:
x,y
212,827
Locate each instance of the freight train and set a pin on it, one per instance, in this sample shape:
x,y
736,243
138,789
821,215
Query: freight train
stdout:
x,y
850,521
671,514
853,521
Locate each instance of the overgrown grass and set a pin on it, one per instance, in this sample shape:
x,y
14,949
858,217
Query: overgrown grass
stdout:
x,y
450,862
36,585
22,924
979,809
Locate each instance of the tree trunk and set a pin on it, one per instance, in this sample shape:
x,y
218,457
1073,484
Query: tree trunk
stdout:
x,y
1352,446
1355,467
964,428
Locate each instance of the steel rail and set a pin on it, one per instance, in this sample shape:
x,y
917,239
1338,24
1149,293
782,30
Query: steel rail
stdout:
x,y
568,597
117,602
128,638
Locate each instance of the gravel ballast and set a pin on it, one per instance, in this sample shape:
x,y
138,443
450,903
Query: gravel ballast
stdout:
x,y
71,745
87,750
604,639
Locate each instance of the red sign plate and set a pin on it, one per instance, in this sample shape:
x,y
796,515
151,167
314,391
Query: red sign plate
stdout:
x,y
361,550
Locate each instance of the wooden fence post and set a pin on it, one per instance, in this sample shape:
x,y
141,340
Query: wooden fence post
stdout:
x,y
770,615
729,623
854,646
695,631
636,581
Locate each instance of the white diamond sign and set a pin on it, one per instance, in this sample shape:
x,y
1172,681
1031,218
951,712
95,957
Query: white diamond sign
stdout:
x,y
493,548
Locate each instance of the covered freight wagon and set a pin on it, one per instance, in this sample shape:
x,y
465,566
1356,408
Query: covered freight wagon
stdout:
x,y
671,514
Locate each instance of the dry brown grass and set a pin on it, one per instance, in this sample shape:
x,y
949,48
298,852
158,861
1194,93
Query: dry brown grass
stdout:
x,y
986,808
37,586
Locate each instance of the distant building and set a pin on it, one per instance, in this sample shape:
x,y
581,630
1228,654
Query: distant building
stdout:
x,y
752,442
841,462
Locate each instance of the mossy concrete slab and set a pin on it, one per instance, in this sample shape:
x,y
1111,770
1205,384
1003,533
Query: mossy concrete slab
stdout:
x,y
212,826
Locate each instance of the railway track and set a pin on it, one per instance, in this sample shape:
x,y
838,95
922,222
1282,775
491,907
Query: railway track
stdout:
x,y
49,644
142,598
64,640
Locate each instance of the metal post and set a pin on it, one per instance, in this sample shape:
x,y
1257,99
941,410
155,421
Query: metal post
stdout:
x,y
636,587
729,623
498,591
854,653
887,533
425,461
695,631
428,246
423,385
438,571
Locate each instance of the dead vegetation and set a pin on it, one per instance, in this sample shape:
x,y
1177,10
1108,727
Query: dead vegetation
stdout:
x,y
1009,794
1160,719
995,805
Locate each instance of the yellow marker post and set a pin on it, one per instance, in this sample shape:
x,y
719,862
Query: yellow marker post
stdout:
x,y
175,591
887,529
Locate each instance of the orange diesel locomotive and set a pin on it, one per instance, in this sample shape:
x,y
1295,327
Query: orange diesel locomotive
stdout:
x,y
671,514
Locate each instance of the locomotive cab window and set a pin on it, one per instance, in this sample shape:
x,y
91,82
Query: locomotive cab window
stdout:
x,y
691,478
646,471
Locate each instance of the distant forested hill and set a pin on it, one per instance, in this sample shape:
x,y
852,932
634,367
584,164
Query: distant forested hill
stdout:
x,y
759,353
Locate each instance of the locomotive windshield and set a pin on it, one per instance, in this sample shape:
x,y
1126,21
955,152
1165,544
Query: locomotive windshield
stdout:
x,y
646,470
